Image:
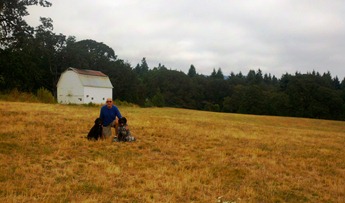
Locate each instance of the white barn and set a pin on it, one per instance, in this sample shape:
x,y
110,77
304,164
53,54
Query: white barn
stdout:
x,y
77,86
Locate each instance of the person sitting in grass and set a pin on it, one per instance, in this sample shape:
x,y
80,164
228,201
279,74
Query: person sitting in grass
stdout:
x,y
108,114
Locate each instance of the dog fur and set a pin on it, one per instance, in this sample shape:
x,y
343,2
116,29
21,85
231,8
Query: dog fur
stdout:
x,y
96,132
124,134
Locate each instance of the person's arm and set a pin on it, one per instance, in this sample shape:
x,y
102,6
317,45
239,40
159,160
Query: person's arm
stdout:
x,y
118,114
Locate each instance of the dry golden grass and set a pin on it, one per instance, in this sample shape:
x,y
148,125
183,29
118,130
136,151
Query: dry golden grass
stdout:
x,y
179,156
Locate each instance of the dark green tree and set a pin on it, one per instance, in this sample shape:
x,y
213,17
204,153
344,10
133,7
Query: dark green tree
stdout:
x,y
258,77
217,74
234,102
253,101
33,65
88,54
192,71
21,57
127,86
50,46
278,103
215,91
250,78
236,79
14,29
312,95
158,99
142,69
174,86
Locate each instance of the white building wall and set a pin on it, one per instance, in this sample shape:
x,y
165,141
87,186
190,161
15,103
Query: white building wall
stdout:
x,y
70,89
97,95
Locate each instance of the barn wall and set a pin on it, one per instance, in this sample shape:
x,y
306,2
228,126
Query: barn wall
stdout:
x,y
70,89
97,95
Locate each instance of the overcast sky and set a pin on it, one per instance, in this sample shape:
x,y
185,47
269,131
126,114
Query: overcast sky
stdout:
x,y
277,36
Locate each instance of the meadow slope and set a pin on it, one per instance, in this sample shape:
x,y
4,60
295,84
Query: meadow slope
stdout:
x,y
179,156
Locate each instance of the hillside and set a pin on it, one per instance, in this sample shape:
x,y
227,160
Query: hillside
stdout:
x,y
179,156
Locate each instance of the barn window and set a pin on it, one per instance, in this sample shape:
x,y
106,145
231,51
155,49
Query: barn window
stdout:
x,y
91,98
80,99
103,99
87,96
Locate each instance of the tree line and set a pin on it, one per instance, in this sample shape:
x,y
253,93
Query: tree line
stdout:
x,y
35,57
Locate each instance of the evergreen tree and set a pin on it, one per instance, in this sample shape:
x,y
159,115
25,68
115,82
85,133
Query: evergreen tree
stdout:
x,y
143,68
217,74
192,71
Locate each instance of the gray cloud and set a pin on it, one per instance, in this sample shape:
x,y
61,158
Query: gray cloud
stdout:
x,y
275,36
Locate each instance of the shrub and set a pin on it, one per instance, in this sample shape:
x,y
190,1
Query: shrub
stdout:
x,y
15,95
148,103
45,95
124,103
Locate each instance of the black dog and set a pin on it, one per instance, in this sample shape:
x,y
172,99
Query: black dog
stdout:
x,y
96,131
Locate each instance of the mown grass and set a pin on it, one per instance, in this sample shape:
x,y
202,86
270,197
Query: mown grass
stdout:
x,y
179,156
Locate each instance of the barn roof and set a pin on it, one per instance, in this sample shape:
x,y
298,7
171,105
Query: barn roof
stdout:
x,y
88,72
92,78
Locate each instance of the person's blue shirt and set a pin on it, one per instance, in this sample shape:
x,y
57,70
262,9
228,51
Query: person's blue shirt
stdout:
x,y
108,115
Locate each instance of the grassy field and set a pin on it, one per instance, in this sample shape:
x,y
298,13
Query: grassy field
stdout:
x,y
179,156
